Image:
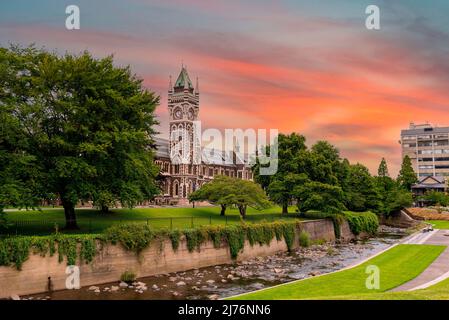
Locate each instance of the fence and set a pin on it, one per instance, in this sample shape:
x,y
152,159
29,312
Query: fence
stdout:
x,y
97,225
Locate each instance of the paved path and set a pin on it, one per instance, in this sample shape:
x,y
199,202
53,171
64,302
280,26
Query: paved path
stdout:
x,y
437,270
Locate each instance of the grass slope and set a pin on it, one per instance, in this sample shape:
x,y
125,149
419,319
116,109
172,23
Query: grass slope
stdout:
x,y
439,224
397,266
439,291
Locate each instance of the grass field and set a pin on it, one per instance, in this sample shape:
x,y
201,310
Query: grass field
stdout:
x,y
34,222
439,224
397,266
439,291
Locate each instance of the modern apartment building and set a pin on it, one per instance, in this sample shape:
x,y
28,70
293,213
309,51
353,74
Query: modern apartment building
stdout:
x,y
428,148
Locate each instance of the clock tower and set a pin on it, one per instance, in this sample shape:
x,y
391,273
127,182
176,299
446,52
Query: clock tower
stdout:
x,y
183,108
184,145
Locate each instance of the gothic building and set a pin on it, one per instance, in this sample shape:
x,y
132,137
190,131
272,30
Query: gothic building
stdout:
x,y
185,165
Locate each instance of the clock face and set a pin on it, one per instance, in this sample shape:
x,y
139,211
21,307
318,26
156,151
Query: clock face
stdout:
x,y
178,113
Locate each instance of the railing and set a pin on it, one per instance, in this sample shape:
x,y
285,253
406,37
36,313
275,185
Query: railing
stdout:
x,y
98,224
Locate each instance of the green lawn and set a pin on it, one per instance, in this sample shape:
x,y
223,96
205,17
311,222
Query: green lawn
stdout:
x,y
439,291
439,224
34,222
397,266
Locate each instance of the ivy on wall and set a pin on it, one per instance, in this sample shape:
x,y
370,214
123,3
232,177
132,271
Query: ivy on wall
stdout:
x,y
14,251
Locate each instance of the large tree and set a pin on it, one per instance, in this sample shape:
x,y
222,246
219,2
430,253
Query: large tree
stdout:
x,y
319,196
85,124
407,176
361,193
291,164
392,196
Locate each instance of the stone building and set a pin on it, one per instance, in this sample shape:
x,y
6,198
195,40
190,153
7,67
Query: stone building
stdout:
x,y
185,165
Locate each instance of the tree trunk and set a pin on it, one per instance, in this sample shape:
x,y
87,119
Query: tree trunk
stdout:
x,y
223,210
104,209
285,208
70,216
242,210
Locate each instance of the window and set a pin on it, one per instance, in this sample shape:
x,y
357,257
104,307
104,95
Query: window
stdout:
x,y
409,145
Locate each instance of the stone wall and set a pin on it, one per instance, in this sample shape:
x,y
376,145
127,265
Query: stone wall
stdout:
x,y
112,261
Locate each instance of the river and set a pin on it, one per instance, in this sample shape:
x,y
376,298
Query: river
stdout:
x,y
227,280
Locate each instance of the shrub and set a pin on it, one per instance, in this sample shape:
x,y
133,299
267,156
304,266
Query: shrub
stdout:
x,y
175,236
304,239
133,237
362,222
128,276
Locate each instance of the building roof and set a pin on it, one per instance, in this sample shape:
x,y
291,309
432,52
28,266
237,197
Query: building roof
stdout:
x,y
209,155
430,182
183,80
162,150
424,130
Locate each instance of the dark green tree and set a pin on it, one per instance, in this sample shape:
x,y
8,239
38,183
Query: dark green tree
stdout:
x,y
407,176
437,198
319,196
361,193
291,163
383,169
85,124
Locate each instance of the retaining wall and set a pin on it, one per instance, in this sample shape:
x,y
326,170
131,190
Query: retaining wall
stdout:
x,y
113,260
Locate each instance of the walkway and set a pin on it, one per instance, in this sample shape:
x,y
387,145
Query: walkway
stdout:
x,y
438,270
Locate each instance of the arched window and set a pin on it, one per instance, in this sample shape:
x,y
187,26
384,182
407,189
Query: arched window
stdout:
x,y
175,188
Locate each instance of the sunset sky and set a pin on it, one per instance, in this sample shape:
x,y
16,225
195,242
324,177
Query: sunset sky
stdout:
x,y
290,65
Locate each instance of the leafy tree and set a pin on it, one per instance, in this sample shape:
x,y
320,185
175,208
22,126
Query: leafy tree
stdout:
x,y
437,198
229,191
216,192
407,176
383,169
391,195
323,163
360,190
292,157
83,124
397,199
319,196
